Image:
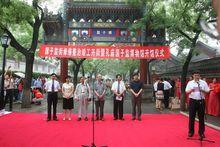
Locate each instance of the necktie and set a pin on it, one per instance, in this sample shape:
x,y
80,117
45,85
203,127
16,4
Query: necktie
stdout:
x,y
52,88
118,87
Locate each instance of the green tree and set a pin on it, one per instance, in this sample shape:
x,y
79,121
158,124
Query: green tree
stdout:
x,y
181,20
16,14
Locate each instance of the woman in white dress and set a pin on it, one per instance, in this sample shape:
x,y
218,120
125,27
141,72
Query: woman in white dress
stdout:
x,y
67,90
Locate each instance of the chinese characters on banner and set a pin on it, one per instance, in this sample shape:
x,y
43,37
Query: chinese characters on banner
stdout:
x,y
120,52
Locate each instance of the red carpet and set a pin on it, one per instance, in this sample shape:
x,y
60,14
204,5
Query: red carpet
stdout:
x,y
31,130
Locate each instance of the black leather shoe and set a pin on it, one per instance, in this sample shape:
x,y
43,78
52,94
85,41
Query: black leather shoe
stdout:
x,y
201,136
79,119
115,118
139,119
48,119
122,119
55,119
133,118
86,119
190,135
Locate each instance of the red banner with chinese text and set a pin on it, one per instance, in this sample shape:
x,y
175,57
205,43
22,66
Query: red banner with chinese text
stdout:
x,y
119,52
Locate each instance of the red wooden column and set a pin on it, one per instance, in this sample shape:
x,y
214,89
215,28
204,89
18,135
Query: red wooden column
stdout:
x,y
63,69
143,71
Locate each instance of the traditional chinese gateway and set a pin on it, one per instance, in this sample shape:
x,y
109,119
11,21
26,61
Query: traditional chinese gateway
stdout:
x,y
85,25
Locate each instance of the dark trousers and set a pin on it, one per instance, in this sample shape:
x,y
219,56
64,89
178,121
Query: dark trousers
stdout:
x,y
166,98
52,100
9,96
16,94
118,108
199,107
136,102
99,106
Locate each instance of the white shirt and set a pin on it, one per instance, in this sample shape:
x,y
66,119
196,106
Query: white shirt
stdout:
x,y
167,85
197,94
155,86
121,86
48,86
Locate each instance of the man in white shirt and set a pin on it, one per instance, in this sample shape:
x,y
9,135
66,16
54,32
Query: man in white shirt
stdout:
x,y
167,87
197,89
52,88
83,95
118,88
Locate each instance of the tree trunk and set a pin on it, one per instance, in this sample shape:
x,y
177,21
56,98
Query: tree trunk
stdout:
x,y
83,71
183,79
148,72
76,72
26,100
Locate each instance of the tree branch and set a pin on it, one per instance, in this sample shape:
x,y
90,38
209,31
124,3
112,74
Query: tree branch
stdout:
x,y
184,34
82,60
36,28
14,43
74,61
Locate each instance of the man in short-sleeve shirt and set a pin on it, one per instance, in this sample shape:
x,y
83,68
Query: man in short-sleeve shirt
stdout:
x,y
136,89
197,89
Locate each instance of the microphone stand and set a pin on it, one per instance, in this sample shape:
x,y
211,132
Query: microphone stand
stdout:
x,y
93,119
201,139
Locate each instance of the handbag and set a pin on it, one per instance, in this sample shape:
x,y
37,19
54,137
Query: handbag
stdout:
x,y
159,94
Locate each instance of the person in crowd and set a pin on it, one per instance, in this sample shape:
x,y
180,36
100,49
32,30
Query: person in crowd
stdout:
x,y
136,88
20,89
167,87
160,93
83,95
118,88
9,87
38,84
178,88
108,93
154,92
214,98
43,80
33,81
172,90
16,91
52,87
99,93
196,89
67,90
37,96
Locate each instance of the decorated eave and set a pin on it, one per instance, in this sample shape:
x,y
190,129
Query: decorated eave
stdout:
x,y
102,10
52,23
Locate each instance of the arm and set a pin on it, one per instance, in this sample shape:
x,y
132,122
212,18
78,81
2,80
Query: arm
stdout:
x,y
76,92
124,89
132,91
139,92
8,69
62,90
89,90
205,88
188,89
